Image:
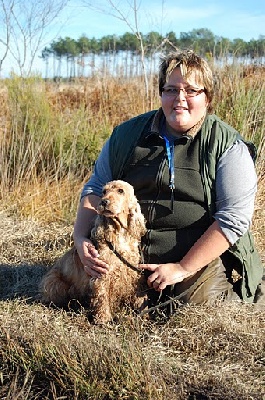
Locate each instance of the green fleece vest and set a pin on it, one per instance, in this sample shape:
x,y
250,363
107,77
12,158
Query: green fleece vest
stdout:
x,y
216,138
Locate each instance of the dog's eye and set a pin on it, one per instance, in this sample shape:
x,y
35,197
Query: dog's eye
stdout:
x,y
104,191
120,191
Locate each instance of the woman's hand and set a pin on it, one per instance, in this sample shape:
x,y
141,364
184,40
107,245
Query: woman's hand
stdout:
x,y
165,274
89,257
208,247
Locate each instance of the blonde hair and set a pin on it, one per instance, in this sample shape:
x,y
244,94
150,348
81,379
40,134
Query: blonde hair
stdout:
x,y
189,63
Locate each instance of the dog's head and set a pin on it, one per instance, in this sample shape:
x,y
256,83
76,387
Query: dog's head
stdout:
x,y
119,203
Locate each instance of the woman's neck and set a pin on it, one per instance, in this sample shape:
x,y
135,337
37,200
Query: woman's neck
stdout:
x,y
190,132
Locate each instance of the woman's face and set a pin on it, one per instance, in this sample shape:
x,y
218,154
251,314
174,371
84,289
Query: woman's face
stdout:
x,y
182,112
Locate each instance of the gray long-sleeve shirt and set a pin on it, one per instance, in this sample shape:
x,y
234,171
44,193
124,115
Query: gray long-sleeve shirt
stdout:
x,y
236,186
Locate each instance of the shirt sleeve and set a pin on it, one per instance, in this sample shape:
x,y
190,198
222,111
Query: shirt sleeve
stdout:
x,y
101,174
236,187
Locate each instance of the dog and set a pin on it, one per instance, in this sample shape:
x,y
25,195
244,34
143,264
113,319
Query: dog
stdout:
x,y
117,232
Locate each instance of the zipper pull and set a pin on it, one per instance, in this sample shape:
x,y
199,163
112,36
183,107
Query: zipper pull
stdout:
x,y
172,200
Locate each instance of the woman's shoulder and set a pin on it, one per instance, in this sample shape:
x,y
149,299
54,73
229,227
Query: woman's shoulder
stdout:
x,y
136,120
219,135
212,120
124,138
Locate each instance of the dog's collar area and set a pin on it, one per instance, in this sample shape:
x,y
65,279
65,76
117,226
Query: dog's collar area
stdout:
x,y
122,258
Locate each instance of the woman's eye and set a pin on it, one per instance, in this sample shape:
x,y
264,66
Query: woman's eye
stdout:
x,y
171,90
191,91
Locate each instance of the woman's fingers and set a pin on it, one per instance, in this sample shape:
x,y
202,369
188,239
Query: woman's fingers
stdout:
x,y
164,275
149,267
95,272
89,257
153,280
90,249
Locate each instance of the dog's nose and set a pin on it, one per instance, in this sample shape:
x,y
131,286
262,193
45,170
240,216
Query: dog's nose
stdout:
x,y
104,202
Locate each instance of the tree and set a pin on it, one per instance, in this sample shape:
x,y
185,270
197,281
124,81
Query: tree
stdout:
x,y
57,48
261,45
239,47
128,41
223,47
256,48
6,28
186,39
172,40
205,39
130,18
71,51
84,47
152,41
24,28
45,55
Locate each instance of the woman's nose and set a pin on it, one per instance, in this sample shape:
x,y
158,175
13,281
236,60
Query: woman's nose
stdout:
x,y
181,94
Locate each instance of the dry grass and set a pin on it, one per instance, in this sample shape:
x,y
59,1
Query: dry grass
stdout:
x,y
201,353
258,226
27,249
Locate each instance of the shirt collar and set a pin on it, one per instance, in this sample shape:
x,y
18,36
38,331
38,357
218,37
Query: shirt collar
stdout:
x,y
158,127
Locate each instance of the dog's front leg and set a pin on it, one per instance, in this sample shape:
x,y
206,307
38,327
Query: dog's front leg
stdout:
x,y
139,299
100,302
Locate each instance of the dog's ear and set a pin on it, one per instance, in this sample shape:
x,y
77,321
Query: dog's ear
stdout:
x,y
100,227
136,222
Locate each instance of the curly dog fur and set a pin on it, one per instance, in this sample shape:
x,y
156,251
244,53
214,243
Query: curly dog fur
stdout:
x,y
117,234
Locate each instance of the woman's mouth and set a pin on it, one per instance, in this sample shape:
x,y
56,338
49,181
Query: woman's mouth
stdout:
x,y
179,108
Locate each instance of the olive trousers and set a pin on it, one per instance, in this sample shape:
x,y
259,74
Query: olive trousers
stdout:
x,y
208,285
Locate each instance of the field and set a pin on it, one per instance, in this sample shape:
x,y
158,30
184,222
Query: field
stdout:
x,y
50,136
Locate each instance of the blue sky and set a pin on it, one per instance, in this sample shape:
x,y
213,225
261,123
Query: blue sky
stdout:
x,y
243,19
232,19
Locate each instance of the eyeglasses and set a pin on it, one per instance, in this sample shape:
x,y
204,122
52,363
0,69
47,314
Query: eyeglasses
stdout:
x,y
188,92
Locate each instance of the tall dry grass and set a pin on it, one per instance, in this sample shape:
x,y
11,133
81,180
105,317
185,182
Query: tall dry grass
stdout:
x,y
240,101
49,138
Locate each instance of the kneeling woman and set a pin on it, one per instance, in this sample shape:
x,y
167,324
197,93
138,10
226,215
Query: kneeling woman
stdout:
x,y
195,179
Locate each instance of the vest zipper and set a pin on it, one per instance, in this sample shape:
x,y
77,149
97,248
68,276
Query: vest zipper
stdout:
x,y
161,169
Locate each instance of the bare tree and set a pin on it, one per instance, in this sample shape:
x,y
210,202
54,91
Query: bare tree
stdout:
x,y
24,26
6,11
130,18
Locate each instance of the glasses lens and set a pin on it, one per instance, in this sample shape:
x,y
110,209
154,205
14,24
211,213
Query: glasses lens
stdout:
x,y
193,92
174,92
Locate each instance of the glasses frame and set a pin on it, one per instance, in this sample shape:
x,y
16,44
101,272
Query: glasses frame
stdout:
x,y
175,92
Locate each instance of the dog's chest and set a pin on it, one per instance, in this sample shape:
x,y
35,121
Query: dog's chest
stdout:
x,y
126,244
124,250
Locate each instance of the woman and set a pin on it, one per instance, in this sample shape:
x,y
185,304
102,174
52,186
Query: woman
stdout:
x,y
195,180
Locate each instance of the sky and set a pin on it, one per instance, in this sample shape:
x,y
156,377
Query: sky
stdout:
x,y
231,19
243,19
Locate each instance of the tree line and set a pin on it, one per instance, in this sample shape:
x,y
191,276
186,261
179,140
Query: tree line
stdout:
x,y
81,54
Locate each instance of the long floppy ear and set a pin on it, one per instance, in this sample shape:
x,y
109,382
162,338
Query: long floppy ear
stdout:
x,y
136,223
104,229
97,232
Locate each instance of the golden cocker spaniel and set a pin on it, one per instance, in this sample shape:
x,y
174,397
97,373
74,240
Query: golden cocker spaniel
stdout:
x,y
119,226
